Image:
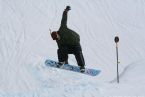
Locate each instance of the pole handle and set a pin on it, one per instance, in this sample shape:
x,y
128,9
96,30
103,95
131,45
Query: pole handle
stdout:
x,y
116,39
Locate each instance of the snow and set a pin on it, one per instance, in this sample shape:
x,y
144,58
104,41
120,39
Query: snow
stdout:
x,y
25,44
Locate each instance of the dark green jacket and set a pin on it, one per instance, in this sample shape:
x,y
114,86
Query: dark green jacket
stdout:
x,y
67,36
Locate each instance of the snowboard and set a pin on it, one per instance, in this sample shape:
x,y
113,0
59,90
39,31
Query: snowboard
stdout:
x,y
88,71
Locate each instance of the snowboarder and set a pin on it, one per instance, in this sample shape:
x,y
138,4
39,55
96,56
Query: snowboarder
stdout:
x,y
68,42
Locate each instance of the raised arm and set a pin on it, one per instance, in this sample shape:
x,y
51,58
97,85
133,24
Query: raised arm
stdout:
x,y
64,17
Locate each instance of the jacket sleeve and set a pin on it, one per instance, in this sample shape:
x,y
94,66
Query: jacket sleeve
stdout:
x,y
64,19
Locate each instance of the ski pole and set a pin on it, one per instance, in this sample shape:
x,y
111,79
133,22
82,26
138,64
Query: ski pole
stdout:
x,y
116,41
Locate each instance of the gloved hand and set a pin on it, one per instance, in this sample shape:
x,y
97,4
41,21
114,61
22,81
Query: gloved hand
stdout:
x,y
68,8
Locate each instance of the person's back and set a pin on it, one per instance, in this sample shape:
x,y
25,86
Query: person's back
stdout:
x,y
68,37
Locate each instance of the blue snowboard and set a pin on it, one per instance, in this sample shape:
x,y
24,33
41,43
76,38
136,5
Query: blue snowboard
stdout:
x,y
91,72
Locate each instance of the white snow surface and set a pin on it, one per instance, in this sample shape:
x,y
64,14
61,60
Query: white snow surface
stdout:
x,y
25,44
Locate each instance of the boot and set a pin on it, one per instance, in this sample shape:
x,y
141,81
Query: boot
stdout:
x,y
82,69
60,64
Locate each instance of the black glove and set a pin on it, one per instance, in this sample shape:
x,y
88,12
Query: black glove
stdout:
x,y
68,8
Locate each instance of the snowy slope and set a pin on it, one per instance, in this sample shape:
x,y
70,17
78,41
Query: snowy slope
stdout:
x,y
25,43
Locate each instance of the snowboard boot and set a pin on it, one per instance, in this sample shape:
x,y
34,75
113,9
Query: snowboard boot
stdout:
x,y
60,64
82,69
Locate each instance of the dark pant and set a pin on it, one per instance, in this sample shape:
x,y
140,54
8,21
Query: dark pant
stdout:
x,y
75,49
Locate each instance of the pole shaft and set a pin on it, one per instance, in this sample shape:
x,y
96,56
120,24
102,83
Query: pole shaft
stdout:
x,y
117,63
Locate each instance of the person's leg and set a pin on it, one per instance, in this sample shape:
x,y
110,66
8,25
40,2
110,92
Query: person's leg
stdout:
x,y
62,55
80,59
66,61
79,56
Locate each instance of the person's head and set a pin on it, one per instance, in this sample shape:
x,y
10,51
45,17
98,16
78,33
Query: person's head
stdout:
x,y
55,35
